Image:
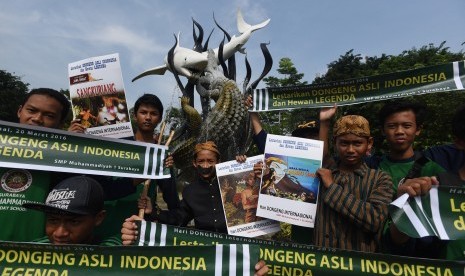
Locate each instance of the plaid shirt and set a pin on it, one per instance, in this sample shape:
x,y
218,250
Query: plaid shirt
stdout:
x,y
352,211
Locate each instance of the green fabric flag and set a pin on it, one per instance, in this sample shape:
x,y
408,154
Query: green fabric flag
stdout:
x,y
45,259
440,213
299,259
426,80
39,148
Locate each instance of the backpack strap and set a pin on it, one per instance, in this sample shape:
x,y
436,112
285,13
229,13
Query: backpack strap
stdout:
x,y
420,162
415,170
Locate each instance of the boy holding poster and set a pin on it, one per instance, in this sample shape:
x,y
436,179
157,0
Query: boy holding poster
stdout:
x,y
353,199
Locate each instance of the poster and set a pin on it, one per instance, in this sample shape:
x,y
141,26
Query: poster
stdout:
x,y
289,186
98,97
239,193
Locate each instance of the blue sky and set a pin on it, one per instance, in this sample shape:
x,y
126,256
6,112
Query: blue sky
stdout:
x,y
39,38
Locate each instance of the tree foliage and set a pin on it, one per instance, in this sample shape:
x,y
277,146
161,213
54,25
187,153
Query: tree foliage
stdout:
x,y
12,92
290,75
283,122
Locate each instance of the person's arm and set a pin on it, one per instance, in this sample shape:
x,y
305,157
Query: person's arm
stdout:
x,y
169,192
179,216
260,134
326,114
369,214
256,123
447,156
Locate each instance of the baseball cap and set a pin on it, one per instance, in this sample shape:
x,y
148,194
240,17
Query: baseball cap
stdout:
x,y
311,126
78,195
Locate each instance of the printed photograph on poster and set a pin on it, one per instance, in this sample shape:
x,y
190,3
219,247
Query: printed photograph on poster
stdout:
x,y
239,192
289,185
98,97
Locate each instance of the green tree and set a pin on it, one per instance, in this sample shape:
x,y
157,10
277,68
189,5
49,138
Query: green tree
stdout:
x,y
291,76
283,123
12,93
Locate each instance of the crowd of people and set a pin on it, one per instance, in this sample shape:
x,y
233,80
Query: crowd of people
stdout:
x,y
355,191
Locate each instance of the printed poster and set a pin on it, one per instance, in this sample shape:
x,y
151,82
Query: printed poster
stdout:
x,y
239,192
98,97
289,186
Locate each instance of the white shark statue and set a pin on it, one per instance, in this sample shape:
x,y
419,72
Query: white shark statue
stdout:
x,y
187,61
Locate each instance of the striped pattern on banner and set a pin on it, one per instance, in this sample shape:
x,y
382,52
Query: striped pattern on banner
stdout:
x,y
458,71
261,100
147,163
152,234
230,260
437,221
421,216
154,162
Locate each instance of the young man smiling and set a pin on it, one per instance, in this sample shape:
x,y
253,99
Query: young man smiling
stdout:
x,y
43,107
401,122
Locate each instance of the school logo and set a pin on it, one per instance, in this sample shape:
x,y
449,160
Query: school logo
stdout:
x,y
16,180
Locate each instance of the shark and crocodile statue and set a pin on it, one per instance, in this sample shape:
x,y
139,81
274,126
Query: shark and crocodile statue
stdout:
x,y
227,123
188,62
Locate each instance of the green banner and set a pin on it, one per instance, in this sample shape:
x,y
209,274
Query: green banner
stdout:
x,y
433,79
22,259
440,213
299,259
39,148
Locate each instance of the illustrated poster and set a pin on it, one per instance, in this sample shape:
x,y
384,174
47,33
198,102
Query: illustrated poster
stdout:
x,y
98,97
239,193
289,186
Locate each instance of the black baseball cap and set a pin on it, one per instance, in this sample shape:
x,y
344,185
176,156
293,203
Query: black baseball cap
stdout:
x,y
77,195
311,126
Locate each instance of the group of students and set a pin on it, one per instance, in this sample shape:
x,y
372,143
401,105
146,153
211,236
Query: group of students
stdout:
x,y
352,205
73,209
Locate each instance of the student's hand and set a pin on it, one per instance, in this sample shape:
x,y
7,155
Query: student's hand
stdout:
x,y
417,186
76,126
326,113
258,169
129,230
261,268
146,204
169,161
241,158
248,101
326,176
